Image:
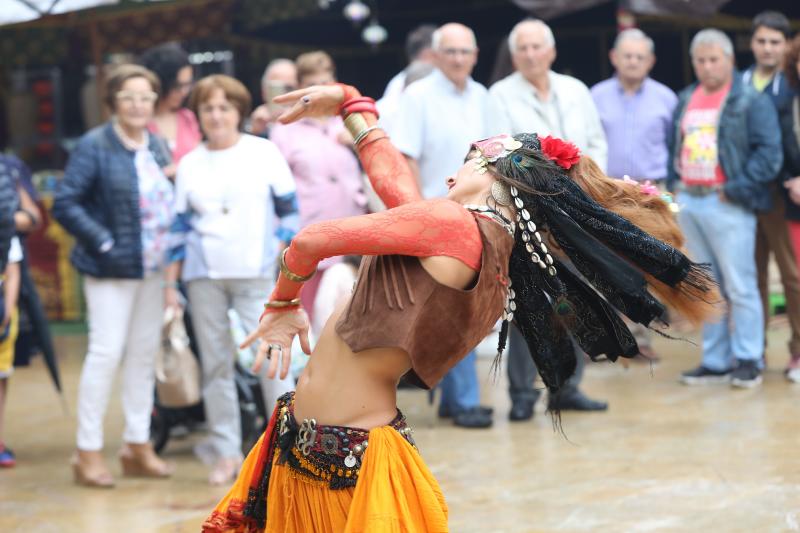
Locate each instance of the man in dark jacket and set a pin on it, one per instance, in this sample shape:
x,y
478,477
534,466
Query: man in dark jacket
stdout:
x,y
771,32
725,149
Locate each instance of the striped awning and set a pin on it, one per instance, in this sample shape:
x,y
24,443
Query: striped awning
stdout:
x,y
15,11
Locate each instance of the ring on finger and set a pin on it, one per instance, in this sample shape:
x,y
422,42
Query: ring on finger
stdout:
x,y
306,100
271,347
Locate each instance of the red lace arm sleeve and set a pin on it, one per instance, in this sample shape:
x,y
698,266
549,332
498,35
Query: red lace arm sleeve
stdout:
x,y
421,229
386,167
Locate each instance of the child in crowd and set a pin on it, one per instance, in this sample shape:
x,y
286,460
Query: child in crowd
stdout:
x,y
8,337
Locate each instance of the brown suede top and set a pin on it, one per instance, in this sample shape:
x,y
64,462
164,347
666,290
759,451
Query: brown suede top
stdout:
x,y
397,304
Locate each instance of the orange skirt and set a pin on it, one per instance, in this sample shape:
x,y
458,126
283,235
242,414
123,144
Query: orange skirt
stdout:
x,y
395,492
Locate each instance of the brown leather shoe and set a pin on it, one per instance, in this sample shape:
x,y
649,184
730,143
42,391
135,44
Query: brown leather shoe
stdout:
x,y
90,470
140,460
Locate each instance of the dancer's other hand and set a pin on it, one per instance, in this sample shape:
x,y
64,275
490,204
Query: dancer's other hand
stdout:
x,y
314,101
278,328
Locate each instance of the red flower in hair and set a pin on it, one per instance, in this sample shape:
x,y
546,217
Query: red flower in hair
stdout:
x,y
564,154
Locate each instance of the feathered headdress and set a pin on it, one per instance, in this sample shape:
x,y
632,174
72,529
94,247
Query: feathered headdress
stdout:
x,y
599,267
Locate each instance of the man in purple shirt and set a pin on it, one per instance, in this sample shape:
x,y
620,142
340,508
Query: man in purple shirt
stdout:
x,y
636,111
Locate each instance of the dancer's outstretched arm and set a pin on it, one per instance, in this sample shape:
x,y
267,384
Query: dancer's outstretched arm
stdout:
x,y
421,229
386,167
409,227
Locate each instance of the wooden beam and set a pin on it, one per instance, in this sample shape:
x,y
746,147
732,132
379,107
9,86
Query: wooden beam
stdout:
x,y
97,59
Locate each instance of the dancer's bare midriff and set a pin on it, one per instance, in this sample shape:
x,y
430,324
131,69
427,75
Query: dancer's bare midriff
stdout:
x,y
342,388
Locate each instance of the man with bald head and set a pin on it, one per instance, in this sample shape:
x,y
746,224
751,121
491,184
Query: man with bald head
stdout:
x,y
437,119
536,99
446,110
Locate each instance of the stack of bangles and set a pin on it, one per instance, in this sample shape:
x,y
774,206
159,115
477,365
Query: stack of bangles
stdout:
x,y
351,110
291,276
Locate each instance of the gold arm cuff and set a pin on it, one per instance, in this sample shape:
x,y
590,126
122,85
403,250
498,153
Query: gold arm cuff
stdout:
x,y
278,304
355,124
291,276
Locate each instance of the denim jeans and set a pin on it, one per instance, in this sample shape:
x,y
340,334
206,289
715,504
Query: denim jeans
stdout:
x,y
724,234
460,389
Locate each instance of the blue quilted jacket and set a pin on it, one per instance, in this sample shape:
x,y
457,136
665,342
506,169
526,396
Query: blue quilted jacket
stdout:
x,y
98,201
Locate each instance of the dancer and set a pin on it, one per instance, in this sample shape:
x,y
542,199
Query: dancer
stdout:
x,y
338,455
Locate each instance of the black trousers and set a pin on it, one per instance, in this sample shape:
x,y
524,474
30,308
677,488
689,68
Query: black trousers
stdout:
x,y
522,369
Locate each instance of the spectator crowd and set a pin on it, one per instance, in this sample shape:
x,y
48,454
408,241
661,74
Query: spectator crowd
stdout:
x,y
186,196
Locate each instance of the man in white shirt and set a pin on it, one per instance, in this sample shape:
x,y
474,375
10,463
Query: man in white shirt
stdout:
x,y
439,116
536,99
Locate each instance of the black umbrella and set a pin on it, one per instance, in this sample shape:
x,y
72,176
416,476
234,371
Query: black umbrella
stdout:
x,y
31,304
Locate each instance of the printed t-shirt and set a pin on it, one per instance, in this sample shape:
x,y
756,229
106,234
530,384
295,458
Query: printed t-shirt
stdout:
x,y
699,161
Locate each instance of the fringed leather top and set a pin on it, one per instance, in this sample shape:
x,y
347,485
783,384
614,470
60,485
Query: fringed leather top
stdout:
x,y
397,304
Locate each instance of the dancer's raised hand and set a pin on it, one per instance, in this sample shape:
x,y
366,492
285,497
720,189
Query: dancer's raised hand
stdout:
x,y
314,101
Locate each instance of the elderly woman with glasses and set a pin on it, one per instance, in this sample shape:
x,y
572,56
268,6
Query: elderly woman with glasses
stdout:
x,y
116,202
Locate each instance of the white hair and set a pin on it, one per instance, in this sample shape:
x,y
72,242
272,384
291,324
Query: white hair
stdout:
x,y
549,39
436,38
634,34
711,36
274,64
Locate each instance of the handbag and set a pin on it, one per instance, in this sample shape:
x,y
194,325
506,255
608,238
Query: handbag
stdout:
x,y
177,369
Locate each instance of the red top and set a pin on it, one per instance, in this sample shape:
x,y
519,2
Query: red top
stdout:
x,y
699,161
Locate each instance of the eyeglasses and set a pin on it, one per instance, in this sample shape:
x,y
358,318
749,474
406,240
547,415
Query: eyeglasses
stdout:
x,y
453,52
130,97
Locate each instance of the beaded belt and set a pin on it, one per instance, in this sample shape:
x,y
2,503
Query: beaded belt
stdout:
x,y
329,455
700,190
